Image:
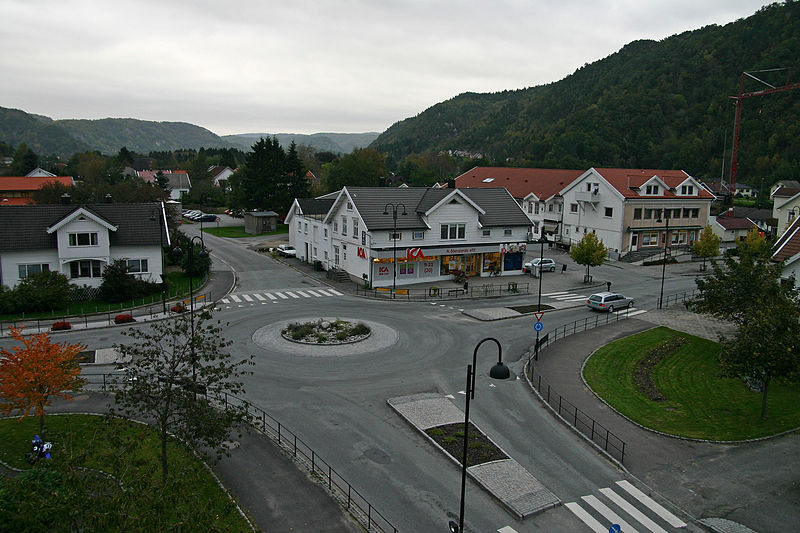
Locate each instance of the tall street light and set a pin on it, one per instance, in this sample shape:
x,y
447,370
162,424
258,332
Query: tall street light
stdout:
x,y
664,263
394,239
498,371
203,253
542,241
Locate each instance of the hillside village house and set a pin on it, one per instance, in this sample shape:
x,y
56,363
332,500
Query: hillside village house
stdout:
x,y
536,190
785,205
220,175
79,240
177,180
787,250
477,231
18,190
731,229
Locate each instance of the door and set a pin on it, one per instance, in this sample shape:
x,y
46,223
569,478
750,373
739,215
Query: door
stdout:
x,y
634,242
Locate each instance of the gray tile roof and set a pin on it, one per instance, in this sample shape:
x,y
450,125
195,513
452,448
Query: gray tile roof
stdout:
x,y
315,206
500,208
24,227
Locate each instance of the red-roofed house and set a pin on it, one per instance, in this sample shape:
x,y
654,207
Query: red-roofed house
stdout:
x,y
18,190
787,250
730,228
535,189
627,208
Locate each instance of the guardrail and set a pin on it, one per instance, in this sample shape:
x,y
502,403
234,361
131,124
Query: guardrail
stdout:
x,y
447,292
349,497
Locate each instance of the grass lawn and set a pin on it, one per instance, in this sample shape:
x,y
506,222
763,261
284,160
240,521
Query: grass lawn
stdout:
x,y
238,231
192,500
698,402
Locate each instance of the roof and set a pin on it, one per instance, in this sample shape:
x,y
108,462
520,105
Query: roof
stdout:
x,y
315,206
25,227
262,213
733,223
216,170
788,245
31,183
627,180
520,182
179,180
500,209
752,213
785,192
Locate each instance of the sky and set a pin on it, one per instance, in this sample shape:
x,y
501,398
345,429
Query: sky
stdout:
x,y
302,66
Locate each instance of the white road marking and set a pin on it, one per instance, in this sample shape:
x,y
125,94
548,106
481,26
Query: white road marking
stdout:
x,y
337,293
270,296
313,293
507,529
610,515
323,292
657,508
586,518
637,312
247,298
225,301
626,506
303,294
261,298
235,298
554,293
283,296
293,295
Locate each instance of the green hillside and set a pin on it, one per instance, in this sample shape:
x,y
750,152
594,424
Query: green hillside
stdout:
x,y
40,133
655,104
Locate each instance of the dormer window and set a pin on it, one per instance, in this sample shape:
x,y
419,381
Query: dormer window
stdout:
x,y
687,190
83,239
652,189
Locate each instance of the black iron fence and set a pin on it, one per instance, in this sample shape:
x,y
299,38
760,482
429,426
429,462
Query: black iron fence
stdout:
x,y
682,297
447,292
350,498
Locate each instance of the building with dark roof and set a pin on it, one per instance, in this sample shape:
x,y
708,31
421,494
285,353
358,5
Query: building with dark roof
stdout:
x,y
79,240
404,235
787,250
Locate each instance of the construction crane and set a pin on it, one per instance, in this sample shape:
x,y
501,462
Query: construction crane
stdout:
x,y
741,96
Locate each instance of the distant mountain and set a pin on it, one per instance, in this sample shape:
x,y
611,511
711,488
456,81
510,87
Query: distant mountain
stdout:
x,y
653,104
323,142
46,136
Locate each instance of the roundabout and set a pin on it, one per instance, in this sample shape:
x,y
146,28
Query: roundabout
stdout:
x,y
270,337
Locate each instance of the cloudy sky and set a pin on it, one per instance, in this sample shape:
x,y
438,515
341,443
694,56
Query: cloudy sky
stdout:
x,y
302,66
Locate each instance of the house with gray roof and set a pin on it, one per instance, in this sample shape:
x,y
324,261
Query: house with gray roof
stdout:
x,y
80,240
388,235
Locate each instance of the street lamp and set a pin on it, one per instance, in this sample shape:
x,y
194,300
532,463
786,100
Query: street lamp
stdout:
x,y
498,371
394,240
542,241
664,263
203,253
161,226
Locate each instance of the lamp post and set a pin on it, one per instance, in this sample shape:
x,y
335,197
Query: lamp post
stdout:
x,y
542,241
791,214
498,371
203,253
394,239
664,263
161,244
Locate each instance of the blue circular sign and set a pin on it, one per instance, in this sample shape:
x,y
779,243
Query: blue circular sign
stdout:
x,y
538,326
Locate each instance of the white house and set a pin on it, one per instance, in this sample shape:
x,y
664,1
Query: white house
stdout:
x,y
629,209
785,206
79,241
220,175
787,250
384,235
731,229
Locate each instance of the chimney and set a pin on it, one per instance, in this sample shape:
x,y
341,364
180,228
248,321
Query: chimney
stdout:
x,y
65,199
451,184
108,199
730,212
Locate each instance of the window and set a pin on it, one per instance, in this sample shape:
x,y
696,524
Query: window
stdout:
x,y
83,239
648,213
695,213
335,226
305,229
530,208
453,231
136,265
36,268
336,255
560,208
637,213
355,227
588,187
488,180
349,206
326,255
649,238
395,236
609,211
299,225
573,208
418,235
325,232
85,269
363,238
651,189
657,213
315,251
344,225
536,227
507,232
536,208
486,233
687,190
550,208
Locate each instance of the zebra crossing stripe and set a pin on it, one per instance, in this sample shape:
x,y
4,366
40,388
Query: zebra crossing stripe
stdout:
x,y
657,508
323,292
293,295
554,293
623,504
247,298
637,312
334,291
225,301
261,298
567,297
610,515
304,295
313,293
283,296
235,298
573,299
586,518
271,296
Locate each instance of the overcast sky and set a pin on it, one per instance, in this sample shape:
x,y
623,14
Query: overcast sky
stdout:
x,y
302,66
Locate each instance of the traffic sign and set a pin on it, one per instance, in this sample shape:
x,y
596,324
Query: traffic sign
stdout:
x,y
538,316
538,326
614,528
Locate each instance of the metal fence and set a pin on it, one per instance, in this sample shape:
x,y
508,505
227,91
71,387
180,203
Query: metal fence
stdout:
x,y
349,497
683,297
447,292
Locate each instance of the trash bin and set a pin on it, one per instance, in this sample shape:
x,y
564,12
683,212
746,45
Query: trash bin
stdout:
x,y
318,265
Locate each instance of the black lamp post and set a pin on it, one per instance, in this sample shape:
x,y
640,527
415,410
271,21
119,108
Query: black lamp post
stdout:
x,y
542,241
498,371
394,240
664,263
203,253
161,244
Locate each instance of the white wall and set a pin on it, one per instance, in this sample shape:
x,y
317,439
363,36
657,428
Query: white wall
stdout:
x,y
10,261
591,215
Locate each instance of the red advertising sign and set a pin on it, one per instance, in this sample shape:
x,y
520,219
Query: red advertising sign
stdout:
x,y
362,253
414,253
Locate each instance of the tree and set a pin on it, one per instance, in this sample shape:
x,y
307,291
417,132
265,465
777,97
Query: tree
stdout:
x,y
766,347
361,168
25,160
590,251
298,186
174,373
42,291
30,375
118,285
257,185
707,245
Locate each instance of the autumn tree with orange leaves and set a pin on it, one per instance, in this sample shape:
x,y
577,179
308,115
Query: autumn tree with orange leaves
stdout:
x,y
36,371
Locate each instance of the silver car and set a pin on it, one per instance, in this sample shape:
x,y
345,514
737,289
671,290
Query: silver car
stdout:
x,y
608,301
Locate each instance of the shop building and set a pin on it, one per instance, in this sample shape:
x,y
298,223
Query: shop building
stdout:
x,y
384,236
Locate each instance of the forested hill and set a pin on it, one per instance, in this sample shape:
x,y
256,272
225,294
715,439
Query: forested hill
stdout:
x,y
653,104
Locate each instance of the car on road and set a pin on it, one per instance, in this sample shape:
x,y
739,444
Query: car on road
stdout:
x,y
608,301
547,264
208,217
286,250
190,213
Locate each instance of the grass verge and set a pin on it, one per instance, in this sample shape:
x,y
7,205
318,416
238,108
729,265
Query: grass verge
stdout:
x,y
238,231
479,448
698,402
132,496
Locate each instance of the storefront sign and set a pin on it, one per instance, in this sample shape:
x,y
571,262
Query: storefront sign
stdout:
x,y
383,270
362,253
414,253
512,248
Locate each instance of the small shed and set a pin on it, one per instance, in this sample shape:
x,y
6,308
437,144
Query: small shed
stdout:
x,y
256,222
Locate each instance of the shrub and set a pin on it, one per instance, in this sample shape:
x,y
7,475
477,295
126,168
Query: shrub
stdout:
x,y
119,286
342,335
44,291
360,329
124,319
61,325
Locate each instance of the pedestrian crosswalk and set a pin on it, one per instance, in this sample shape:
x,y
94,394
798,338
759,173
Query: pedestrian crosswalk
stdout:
x,y
264,298
571,297
624,505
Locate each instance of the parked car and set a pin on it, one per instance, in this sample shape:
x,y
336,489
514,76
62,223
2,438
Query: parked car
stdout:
x,y
208,217
192,213
547,265
286,250
608,301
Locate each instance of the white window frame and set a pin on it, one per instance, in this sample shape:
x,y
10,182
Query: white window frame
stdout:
x,y
417,235
355,227
75,238
43,267
453,232
130,262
